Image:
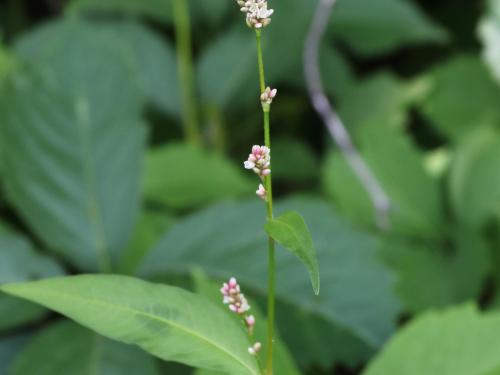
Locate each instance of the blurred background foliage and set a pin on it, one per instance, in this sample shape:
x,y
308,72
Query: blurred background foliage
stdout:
x,y
95,174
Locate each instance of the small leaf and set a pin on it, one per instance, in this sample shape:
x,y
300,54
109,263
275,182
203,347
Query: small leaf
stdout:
x,y
84,352
168,322
291,232
459,341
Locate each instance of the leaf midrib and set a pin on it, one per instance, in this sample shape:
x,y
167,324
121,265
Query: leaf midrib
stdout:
x,y
149,316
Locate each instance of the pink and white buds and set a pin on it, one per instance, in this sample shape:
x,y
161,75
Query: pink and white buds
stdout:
x,y
233,297
238,304
259,161
268,95
253,350
258,16
261,192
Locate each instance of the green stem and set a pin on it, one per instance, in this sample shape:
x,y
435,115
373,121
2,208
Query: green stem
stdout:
x,y
185,71
268,185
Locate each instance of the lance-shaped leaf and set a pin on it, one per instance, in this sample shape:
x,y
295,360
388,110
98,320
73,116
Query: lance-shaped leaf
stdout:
x,y
290,231
170,323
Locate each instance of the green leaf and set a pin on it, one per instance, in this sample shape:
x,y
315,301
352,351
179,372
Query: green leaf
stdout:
x,y
459,341
159,10
398,165
20,262
156,63
67,348
489,32
168,322
377,27
227,240
456,112
291,231
182,176
73,141
474,184
227,67
455,278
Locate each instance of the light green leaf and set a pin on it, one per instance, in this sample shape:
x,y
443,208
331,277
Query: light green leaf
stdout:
x,y
474,183
157,9
73,141
182,176
415,197
489,32
377,27
168,322
459,341
455,278
456,112
227,240
291,231
20,262
67,348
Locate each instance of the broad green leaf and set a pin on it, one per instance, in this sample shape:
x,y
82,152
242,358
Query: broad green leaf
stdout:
x,y
291,231
474,185
456,112
149,228
155,61
415,197
489,32
283,361
157,9
20,262
377,27
168,322
228,240
67,348
73,141
455,278
459,341
181,176
10,347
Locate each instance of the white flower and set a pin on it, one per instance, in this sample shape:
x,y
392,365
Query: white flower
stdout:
x,y
261,192
253,350
268,95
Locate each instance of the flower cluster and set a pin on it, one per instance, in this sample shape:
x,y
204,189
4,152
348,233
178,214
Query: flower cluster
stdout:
x,y
259,160
234,298
238,304
258,16
268,95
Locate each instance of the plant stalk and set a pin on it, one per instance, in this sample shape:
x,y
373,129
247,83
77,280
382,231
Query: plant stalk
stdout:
x,y
269,205
185,71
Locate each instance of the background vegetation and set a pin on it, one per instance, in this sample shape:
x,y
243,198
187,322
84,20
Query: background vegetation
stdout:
x,y
96,175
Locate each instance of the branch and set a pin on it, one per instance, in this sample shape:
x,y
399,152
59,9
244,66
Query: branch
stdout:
x,y
332,121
